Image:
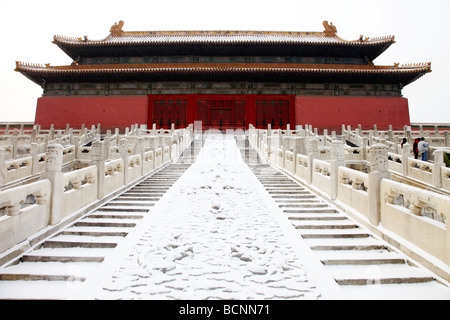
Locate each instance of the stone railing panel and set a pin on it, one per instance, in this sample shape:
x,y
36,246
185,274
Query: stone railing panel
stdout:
x,y
17,169
114,175
80,189
417,215
352,189
445,178
289,162
395,162
149,161
301,167
321,175
420,170
24,211
134,167
158,157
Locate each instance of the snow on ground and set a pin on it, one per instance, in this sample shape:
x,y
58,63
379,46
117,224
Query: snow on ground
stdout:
x,y
212,236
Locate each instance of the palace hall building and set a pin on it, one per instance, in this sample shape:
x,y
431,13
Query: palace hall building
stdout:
x,y
226,79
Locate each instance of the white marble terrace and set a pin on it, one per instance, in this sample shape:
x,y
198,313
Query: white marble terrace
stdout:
x,y
49,176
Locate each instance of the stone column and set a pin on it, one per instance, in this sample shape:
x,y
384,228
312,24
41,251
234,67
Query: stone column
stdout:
x,y
53,166
379,171
337,160
98,160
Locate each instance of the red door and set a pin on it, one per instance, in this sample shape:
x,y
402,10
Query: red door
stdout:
x,y
168,111
272,111
221,112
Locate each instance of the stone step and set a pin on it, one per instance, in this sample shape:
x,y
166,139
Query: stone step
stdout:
x,y
317,217
127,206
66,255
40,277
305,205
333,233
324,224
309,199
88,222
97,231
293,197
162,183
124,209
282,188
285,192
278,184
348,247
359,257
151,187
134,203
138,197
117,215
143,194
155,192
49,271
72,241
311,210
360,275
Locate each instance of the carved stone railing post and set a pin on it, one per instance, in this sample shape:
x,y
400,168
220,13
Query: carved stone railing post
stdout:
x,y
107,144
379,171
337,160
123,150
437,170
140,149
406,152
34,158
313,153
98,160
14,144
2,167
53,166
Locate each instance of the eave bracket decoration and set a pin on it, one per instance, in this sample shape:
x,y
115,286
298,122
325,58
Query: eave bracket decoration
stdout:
x,y
116,29
330,30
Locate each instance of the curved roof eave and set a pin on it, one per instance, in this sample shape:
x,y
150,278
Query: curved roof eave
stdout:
x,y
40,74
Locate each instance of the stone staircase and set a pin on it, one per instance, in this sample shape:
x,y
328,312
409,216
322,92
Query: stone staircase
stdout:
x,y
61,263
363,265
357,259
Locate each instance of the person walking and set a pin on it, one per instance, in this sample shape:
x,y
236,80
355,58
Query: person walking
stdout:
x,y
423,148
415,148
404,141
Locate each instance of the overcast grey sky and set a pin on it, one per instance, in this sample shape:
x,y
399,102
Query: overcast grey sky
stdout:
x,y
419,28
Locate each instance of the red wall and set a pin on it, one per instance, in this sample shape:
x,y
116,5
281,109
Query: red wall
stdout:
x,y
320,112
110,112
331,112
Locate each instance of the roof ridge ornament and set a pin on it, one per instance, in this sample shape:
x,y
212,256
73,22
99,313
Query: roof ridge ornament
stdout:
x,y
330,30
116,29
